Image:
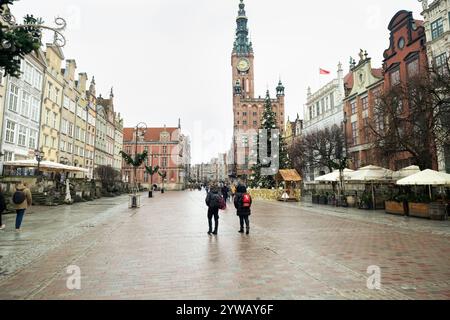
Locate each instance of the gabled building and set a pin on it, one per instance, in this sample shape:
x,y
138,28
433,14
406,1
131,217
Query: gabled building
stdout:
x,y
22,109
366,87
405,58
437,31
52,104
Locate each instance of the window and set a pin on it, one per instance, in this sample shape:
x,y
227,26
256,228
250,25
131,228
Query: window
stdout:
x,y
365,103
244,114
32,141
54,119
22,138
28,73
441,64
37,79
10,131
50,90
70,132
413,68
318,108
77,133
355,132
164,150
56,95
72,106
395,77
47,117
62,146
46,141
25,104
353,106
2,74
255,114
255,123
35,107
9,156
53,142
66,102
245,122
437,28
13,97
164,162
75,149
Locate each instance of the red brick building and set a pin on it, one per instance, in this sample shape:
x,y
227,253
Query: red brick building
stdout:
x,y
405,58
362,86
167,148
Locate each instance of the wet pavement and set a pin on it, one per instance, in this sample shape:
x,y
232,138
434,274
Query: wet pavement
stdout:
x,y
162,251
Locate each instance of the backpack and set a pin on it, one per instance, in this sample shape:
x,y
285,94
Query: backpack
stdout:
x,y
214,201
222,204
19,197
246,201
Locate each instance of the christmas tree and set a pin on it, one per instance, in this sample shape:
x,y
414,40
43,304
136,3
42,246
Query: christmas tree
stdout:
x,y
269,123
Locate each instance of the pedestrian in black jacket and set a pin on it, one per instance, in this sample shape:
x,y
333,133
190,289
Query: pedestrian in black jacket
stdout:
x,y
2,208
213,203
243,212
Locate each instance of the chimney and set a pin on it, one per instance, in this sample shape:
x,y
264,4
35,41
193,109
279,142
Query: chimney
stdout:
x,y
82,82
71,66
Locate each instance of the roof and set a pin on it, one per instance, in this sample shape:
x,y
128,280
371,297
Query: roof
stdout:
x,y
289,175
348,80
151,134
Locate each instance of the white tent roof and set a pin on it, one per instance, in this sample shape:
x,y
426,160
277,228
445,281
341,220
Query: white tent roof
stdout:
x,y
44,165
371,173
426,178
405,172
334,176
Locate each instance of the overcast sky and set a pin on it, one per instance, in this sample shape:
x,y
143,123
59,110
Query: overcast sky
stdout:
x,y
170,59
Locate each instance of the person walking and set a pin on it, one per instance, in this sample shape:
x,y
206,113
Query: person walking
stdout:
x,y
213,203
243,203
2,208
233,191
21,200
225,192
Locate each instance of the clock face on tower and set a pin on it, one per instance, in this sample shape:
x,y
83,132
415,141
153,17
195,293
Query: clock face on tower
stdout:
x,y
243,65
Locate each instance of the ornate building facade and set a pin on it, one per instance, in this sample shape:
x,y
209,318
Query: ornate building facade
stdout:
x,y
405,58
437,31
167,148
247,109
362,94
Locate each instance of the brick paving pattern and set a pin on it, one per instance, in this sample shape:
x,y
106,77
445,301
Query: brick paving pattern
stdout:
x,y
162,251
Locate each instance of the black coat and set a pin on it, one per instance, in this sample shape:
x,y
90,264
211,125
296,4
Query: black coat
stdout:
x,y
2,202
238,205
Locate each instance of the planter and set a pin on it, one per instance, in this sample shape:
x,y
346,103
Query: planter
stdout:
x,y
420,210
315,199
394,207
351,201
323,200
438,211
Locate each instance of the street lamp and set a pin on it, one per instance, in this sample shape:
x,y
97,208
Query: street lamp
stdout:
x,y
39,154
343,162
141,128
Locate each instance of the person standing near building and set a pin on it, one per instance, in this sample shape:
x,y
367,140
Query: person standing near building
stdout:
x,y
243,203
2,208
22,199
213,202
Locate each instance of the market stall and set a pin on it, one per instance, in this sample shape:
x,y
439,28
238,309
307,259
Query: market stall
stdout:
x,y
290,179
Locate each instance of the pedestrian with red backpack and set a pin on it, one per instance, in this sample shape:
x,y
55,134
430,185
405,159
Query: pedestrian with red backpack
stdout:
x,y
243,203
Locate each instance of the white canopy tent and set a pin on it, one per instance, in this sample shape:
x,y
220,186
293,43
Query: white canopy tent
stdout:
x,y
51,166
426,178
335,176
405,172
371,174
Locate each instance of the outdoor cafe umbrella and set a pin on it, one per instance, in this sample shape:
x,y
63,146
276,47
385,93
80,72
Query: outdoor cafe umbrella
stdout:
x,y
405,172
426,178
334,176
44,165
371,174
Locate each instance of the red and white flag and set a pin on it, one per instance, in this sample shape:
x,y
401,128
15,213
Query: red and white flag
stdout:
x,y
322,71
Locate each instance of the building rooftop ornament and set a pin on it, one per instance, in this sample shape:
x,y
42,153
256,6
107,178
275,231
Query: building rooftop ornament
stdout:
x,y
242,45
280,89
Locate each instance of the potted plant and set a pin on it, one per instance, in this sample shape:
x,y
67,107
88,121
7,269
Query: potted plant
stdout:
x,y
323,199
397,204
365,201
315,197
419,206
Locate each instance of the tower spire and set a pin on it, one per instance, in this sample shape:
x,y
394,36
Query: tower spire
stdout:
x,y
242,44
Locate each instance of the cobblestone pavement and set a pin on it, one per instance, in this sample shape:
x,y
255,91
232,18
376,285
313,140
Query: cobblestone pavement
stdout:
x,y
162,251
